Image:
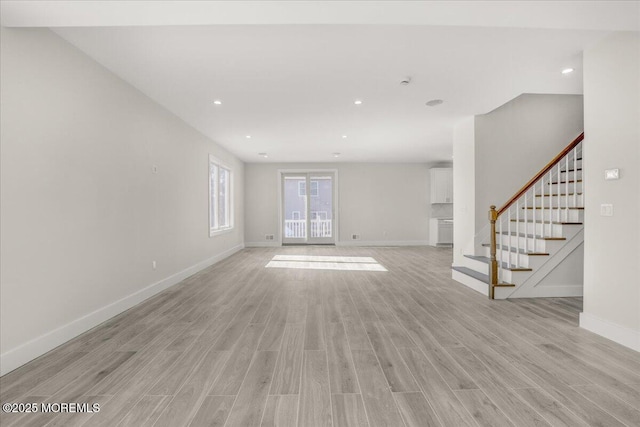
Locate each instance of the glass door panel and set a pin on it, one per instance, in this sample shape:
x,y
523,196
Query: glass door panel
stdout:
x,y
321,208
294,201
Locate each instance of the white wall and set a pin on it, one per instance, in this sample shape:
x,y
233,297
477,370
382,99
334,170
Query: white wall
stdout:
x,y
82,214
464,201
612,140
516,140
384,203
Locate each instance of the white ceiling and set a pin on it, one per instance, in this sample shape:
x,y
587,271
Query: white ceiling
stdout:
x,y
292,86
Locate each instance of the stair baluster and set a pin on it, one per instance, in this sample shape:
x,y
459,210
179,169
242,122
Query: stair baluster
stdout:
x,y
575,168
502,254
566,186
510,236
526,239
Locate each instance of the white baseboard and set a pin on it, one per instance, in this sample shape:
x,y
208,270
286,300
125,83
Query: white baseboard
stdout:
x,y
349,243
273,244
550,291
30,350
620,334
383,243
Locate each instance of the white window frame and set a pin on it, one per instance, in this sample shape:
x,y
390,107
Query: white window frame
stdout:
x,y
214,228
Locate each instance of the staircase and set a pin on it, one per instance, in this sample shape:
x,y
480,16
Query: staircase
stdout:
x,y
535,238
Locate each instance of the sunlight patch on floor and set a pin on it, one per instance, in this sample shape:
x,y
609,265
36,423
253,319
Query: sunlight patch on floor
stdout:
x,y
313,258
325,263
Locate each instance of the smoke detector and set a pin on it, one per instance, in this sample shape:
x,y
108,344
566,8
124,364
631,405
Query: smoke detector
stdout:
x,y
405,81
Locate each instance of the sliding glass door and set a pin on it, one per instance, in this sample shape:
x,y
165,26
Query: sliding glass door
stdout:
x,y
308,208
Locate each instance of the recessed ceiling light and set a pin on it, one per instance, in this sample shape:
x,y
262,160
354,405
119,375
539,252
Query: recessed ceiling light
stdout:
x,y
344,136
567,71
357,102
217,102
336,154
248,136
434,102
263,155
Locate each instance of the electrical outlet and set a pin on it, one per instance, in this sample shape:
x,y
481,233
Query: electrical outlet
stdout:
x,y
154,169
269,236
153,265
355,237
606,209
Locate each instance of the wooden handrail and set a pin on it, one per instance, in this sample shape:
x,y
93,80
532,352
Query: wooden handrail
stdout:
x,y
543,171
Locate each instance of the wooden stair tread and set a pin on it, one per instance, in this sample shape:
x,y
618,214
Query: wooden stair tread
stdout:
x,y
479,276
556,194
505,266
547,208
531,236
521,251
547,222
564,182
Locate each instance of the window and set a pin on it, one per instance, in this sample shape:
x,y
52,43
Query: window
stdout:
x,y
302,188
220,197
295,215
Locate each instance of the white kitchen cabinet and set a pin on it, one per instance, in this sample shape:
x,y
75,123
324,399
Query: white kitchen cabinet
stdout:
x,y
441,185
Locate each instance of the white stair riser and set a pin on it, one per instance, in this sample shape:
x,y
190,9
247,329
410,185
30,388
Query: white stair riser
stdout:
x,y
548,215
562,188
522,260
479,266
519,260
554,230
571,174
471,282
578,164
553,215
532,244
547,201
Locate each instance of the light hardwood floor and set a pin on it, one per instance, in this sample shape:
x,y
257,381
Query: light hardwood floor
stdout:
x,y
241,345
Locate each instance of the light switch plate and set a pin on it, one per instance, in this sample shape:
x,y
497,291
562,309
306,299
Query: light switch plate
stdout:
x,y
612,174
606,209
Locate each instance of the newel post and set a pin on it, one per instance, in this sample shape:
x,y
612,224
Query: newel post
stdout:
x,y
493,265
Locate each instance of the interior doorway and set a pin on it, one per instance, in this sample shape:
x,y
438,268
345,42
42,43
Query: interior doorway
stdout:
x,y
308,207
